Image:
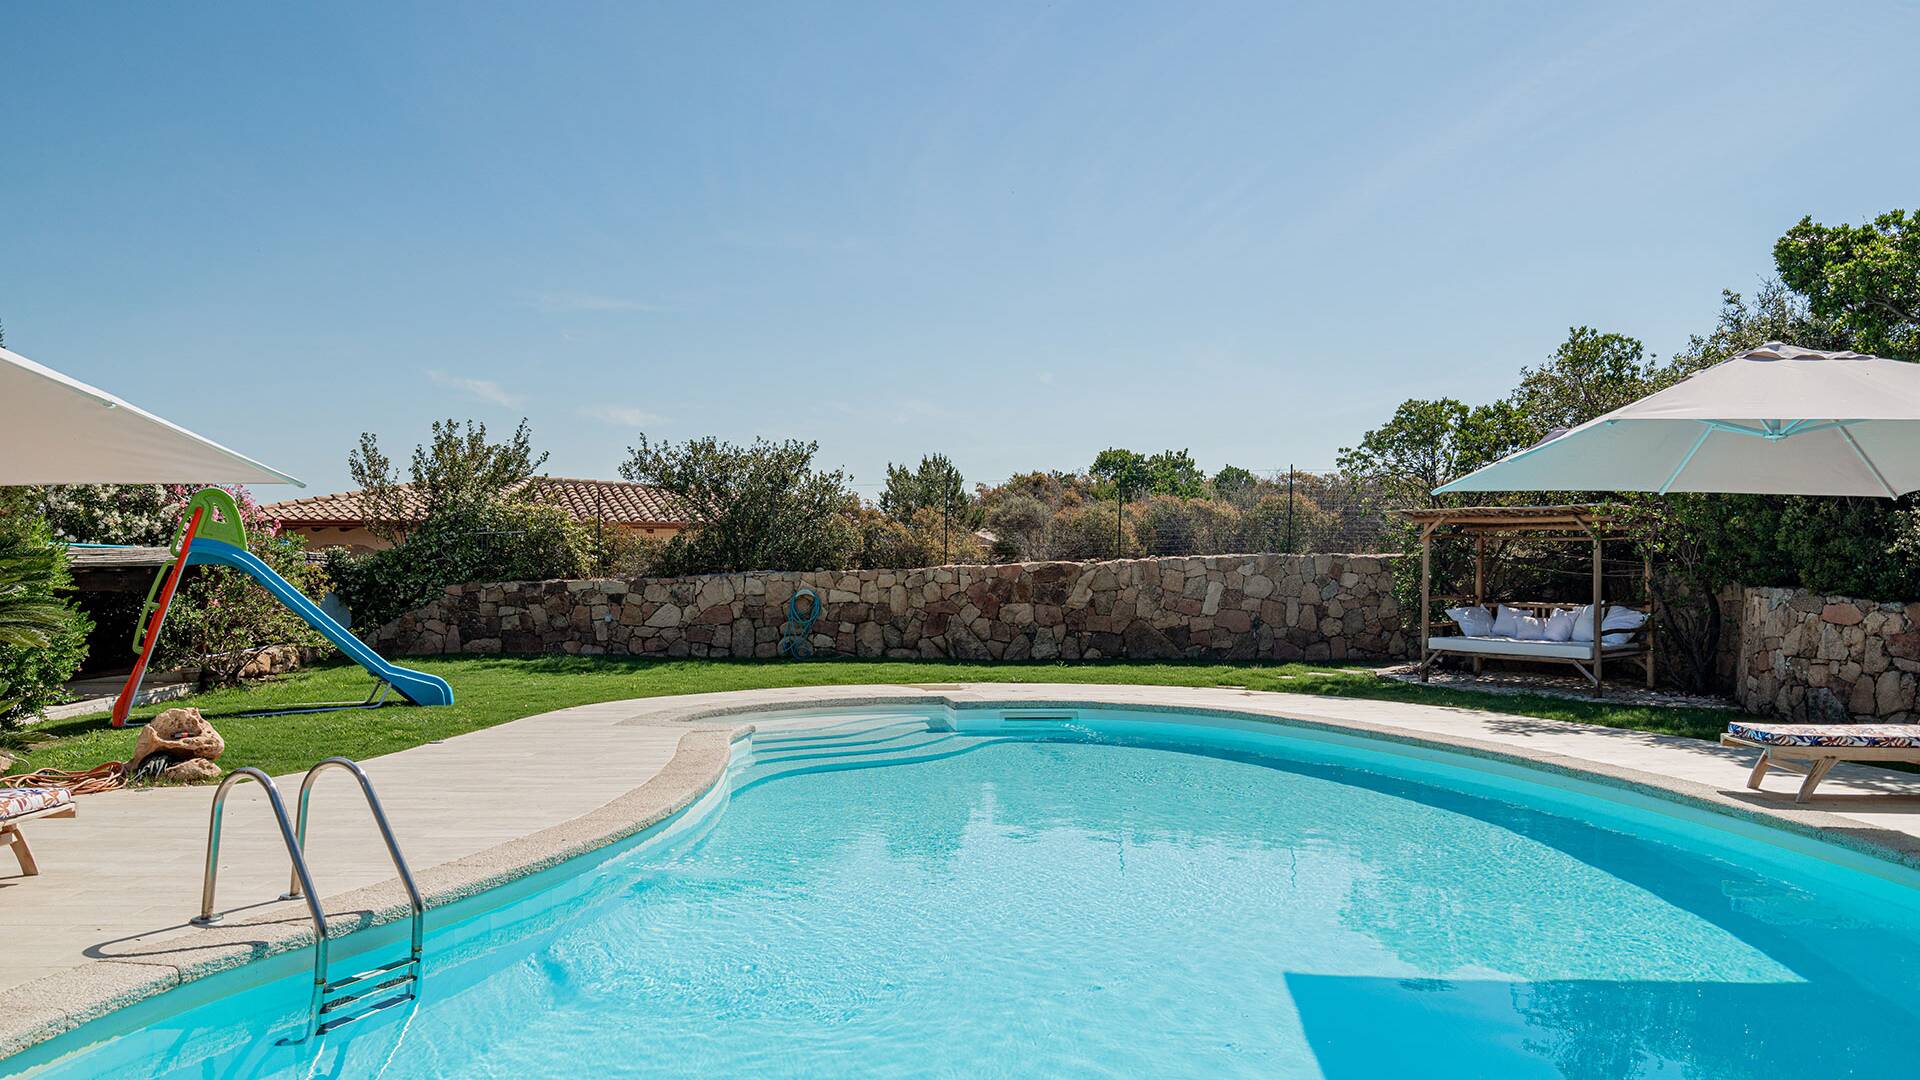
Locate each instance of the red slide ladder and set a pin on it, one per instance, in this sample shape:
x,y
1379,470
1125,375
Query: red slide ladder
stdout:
x,y
124,703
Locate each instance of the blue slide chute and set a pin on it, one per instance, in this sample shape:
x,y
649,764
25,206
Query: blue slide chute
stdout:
x,y
416,686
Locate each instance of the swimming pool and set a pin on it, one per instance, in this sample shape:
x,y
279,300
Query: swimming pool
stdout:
x,y
1075,892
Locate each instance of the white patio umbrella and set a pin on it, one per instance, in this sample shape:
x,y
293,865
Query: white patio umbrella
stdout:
x,y
59,430
1777,420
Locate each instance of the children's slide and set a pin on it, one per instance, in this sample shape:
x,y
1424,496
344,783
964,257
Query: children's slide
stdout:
x,y
416,686
212,534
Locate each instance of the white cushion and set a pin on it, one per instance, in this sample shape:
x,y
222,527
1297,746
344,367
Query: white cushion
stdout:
x,y
1582,623
1621,618
1473,620
1506,623
1560,625
1530,628
1566,650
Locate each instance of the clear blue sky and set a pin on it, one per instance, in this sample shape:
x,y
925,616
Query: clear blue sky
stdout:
x,y
1014,232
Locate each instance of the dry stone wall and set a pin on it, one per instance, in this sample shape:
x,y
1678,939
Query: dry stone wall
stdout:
x,y
1827,658
1283,607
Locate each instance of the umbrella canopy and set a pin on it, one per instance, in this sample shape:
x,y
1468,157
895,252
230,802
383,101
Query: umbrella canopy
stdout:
x,y
57,430
1777,420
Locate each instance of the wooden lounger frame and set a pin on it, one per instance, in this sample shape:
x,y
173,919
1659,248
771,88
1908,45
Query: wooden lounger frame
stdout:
x,y
1548,524
11,835
1812,762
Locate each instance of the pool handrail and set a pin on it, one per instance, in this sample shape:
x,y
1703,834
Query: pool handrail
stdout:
x,y
301,874
298,885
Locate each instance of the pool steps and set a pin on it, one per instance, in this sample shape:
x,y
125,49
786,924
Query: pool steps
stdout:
x,y
349,997
867,742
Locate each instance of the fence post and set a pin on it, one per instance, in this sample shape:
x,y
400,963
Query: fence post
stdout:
x,y
1289,509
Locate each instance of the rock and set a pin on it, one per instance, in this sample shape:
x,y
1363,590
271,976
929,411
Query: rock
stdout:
x,y
178,735
191,771
1841,614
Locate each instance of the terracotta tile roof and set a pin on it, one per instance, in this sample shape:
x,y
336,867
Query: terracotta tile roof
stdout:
x,y
618,502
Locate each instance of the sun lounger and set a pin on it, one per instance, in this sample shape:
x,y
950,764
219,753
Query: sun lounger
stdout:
x,y
23,804
1812,750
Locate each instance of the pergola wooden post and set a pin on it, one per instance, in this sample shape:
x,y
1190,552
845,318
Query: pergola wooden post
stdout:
x,y
1592,525
1426,593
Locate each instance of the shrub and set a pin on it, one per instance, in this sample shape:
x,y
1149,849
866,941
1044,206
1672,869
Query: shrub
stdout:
x,y
1277,524
1020,522
761,507
42,640
1169,525
461,543
1087,532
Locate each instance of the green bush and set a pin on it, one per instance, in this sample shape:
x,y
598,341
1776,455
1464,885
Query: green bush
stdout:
x,y
462,543
42,640
1087,532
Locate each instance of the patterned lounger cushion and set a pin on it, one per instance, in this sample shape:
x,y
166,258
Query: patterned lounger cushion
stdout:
x,y
27,800
1879,735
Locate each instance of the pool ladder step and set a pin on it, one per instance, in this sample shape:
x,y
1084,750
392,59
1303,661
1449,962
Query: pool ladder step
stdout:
x,y
401,976
335,1003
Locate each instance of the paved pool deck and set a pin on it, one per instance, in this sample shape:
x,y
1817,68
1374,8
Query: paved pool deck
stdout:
x,y
105,923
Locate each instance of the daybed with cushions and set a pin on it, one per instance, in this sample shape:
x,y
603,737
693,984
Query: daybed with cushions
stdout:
x,y
1812,750
24,804
1551,633
1542,632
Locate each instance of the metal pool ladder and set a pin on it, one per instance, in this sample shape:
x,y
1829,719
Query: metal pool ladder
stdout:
x,y
335,1002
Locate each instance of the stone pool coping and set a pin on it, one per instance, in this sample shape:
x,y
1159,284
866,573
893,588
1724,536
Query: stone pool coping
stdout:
x,y
50,1006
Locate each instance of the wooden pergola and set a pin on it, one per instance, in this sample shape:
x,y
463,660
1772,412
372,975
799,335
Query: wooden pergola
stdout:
x,y
1587,523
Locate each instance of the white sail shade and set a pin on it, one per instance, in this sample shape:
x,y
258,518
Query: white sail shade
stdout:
x,y
58,430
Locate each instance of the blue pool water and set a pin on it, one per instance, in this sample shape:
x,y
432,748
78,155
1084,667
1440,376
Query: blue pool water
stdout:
x,y
1113,897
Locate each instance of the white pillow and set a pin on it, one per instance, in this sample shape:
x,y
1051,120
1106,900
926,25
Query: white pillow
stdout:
x,y
1560,624
1473,620
1621,618
1530,628
1582,623
1506,623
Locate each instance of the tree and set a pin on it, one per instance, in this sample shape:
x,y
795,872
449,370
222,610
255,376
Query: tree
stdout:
x,y
1864,280
1427,443
466,514
935,488
936,485
457,468
1122,474
1119,474
1172,472
1590,374
1776,314
758,507
1235,484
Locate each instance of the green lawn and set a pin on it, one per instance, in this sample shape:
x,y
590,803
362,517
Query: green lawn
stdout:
x,y
493,690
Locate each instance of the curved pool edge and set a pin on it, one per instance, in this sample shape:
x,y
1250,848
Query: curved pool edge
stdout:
x,y
47,1008
1773,810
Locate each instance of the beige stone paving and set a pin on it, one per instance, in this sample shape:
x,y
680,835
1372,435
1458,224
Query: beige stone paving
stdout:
x,y
125,874
120,880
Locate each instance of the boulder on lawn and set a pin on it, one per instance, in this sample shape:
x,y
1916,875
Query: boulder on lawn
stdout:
x,y
178,735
